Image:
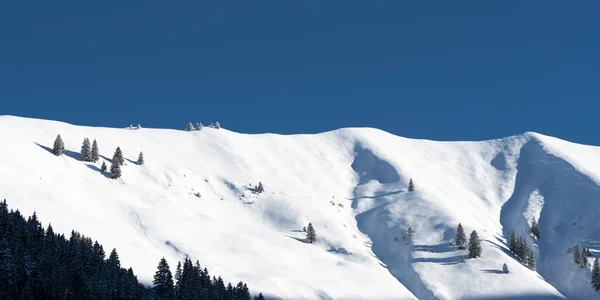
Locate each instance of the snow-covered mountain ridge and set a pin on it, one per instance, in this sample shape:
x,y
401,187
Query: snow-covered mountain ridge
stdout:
x,y
349,183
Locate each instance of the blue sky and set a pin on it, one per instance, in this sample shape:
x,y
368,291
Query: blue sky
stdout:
x,y
447,70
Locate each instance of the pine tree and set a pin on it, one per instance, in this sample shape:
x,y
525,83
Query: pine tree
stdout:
x,y
140,160
596,275
95,152
411,185
199,126
512,244
259,297
410,233
163,280
190,127
59,146
311,235
461,239
535,229
103,167
138,127
115,170
86,154
118,157
217,125
474,245
505,269
576,254
583,260
177,279
530,260
260,188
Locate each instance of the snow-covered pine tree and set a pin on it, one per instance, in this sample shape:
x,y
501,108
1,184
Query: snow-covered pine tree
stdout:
x,y
304,229
576,254
59,146
199,126
138,127
260,188
596,275
217,125
163,280
259,297
583,260
115,170
140,160
512,244
535,229
311,235
118,157
530,261
461,238
474,245
95,155
103,167
190,127
411,185
86,151
505,269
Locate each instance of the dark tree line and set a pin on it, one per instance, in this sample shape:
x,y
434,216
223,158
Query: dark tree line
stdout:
x,y
36,263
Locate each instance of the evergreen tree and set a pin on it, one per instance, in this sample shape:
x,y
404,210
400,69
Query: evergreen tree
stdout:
x,y
530,258
461,239
512,244
163,280
411,185
118,157
190,127
260,188
95,156
505,269
596,275
535,229
474,245
198,126
138,127
59,146
140,160
583,260
217,125
259,297
86,153
576,254
409,235
177,279
311,235
115,170
103,167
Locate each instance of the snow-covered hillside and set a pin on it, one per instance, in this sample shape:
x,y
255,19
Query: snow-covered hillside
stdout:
x,y
349,183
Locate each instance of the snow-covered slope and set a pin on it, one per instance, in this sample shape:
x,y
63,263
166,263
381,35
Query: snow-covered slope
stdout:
x,y
350,183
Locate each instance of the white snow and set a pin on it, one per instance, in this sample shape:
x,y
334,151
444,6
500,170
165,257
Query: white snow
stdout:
x,y
192,197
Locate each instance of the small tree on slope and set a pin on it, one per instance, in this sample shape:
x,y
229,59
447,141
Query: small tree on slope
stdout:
x,y
118,157
461,239
505,269
103,167
596,275
59,146
311,235
95,152
512,245
190,127
115,170
411,185
535,229
86,152
576,254
474,245
163,280
140,160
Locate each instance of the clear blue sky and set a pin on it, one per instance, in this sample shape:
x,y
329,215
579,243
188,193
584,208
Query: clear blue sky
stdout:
x,y
449,70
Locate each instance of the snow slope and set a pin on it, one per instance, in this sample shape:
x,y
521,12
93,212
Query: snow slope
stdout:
x,y
350,183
